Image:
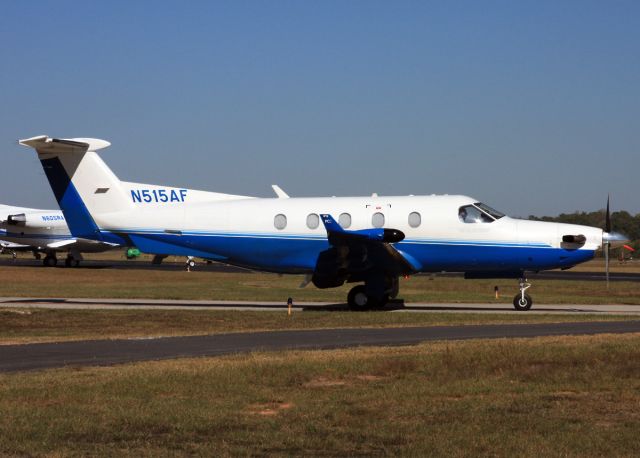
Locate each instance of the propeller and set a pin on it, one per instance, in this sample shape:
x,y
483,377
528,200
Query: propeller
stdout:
x,y
607,218
609,237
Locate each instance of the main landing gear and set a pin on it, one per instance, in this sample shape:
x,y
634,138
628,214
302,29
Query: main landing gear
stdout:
x,y
522,301
375,293
71,261
50,260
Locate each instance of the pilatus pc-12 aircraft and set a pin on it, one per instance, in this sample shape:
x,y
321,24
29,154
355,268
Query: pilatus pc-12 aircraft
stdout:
x,y
367,240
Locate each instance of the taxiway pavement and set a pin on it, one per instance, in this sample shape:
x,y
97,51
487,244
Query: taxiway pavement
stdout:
x,y
394,306
108,352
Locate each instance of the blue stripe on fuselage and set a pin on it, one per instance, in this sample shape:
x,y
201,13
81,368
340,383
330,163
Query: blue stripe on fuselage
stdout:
x,y
292,254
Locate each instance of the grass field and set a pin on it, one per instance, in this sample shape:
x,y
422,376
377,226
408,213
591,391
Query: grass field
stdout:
x,y
49,325
569,396
24,281
561,396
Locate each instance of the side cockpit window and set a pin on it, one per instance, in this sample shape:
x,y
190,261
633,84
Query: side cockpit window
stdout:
x,y
478,213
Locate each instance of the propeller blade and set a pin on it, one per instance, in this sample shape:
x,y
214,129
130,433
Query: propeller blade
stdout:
x,y
606,262
305,281
607,243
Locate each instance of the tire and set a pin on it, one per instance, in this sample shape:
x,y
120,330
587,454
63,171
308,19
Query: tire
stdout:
x,y
50,261
68,262
521,305
191,263
358,299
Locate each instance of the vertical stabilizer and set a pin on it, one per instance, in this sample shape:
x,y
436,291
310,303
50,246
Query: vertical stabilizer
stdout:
x,y
83,184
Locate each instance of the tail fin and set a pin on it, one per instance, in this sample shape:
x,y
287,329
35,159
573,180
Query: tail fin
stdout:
x,y
83,184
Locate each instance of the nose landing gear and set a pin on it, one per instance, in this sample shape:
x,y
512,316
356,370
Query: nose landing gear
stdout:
x,y
522,301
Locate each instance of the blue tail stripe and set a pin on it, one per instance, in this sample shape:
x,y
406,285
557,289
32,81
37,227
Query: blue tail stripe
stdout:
x,y
79,220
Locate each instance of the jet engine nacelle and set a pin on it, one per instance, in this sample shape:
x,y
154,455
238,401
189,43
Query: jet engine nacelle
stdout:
x,y
38,219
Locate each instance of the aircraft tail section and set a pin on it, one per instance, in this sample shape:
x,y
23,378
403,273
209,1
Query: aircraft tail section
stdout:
x,y
93,198
83,184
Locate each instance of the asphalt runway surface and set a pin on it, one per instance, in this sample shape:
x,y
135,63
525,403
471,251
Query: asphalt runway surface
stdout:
x,y
217,267
30,357
395,306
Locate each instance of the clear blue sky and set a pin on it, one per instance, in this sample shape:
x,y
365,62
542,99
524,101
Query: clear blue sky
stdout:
x,y
532,107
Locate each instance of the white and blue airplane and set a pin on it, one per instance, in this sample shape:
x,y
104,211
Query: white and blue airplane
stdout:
x,y
368,240
44,231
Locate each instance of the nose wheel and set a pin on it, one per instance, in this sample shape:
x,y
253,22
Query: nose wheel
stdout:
x,y
523,301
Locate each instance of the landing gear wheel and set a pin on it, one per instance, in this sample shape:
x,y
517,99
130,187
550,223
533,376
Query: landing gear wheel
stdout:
x,y
522,303
70,261
49,261
358,299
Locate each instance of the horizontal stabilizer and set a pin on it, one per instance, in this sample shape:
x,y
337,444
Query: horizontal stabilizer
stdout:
x,y
61,243
44,144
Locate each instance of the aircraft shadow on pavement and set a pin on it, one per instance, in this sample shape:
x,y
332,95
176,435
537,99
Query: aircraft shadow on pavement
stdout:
x,y
343,307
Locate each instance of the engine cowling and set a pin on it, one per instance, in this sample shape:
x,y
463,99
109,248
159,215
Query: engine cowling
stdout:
x,y
39,219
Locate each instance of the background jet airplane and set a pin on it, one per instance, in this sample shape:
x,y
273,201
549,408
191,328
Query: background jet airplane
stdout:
x,y
44,231
369,240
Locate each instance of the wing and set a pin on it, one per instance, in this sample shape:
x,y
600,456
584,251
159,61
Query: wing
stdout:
x,y
353,255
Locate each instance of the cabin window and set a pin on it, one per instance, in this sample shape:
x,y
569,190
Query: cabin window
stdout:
x,y
345,220
280,221
313,221
471,214
415,219
377,220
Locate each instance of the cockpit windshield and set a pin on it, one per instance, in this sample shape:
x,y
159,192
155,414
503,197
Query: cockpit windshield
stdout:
x,y
492,211
478,213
